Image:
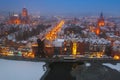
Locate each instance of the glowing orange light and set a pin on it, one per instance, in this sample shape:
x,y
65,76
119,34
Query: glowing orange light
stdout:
x,y
116,57
98,31
101,24
52,35
74,48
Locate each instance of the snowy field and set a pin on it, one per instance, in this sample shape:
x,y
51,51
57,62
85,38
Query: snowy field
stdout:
x,y
20,70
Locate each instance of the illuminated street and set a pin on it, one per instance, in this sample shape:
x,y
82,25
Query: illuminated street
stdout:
x,y
52,34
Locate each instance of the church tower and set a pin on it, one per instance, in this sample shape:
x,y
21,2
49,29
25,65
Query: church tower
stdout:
x,y
24,12
24,16
101,21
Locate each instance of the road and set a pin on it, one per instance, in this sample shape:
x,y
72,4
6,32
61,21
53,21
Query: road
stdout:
x,y
52,34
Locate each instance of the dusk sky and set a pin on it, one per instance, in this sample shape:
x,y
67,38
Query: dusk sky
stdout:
x,y
67,7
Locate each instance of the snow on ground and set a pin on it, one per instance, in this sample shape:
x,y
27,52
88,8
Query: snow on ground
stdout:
x,y
20,70
116,67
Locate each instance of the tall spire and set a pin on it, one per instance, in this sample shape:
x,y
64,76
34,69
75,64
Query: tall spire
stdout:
x,y
101,21
101,15
24,12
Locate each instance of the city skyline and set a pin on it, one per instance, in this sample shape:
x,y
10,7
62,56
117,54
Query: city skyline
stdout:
x,y
63,7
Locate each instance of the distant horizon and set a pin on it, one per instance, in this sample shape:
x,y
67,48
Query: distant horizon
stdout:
x,y
63,7
6,13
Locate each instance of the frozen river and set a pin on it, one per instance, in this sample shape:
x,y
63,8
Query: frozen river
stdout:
x,y
20,70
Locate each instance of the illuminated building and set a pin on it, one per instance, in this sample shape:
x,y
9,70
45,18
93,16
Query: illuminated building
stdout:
x,y
34,48
97,31
100,23
24,12
14,19
67,47
22,18
74,48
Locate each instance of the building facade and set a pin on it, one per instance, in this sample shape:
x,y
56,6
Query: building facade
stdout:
x,y
100,23
22,18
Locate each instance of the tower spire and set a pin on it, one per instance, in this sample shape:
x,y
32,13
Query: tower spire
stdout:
x,y
101,16
101,21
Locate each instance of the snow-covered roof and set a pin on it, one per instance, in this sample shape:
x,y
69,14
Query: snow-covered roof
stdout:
x,y
97,41
116,42
60,40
